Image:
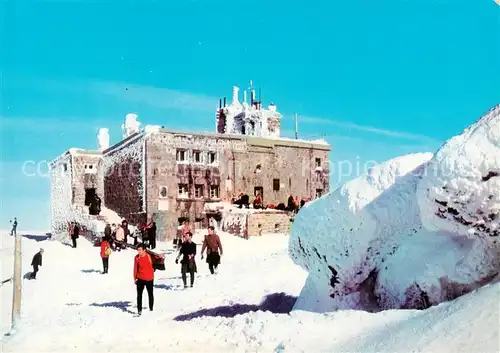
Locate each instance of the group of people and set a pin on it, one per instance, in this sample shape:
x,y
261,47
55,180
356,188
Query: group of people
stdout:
x,y
143,272
293,203
143,262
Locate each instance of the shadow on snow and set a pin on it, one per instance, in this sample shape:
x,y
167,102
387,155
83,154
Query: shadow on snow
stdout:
x,y
277,303
37,237
122,305
167,286
91,270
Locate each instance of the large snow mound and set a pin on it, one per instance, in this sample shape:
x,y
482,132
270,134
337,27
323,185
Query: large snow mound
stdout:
x,y
413,232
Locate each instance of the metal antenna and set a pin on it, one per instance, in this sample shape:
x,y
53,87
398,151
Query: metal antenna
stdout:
x,y
296,126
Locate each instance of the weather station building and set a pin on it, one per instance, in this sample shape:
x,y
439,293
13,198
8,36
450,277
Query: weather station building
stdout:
x,y
174,175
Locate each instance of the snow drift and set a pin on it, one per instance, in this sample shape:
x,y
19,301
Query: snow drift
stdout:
x,y
413,232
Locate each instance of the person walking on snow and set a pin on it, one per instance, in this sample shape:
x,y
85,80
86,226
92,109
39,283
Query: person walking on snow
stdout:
x,y
188,263
213,245
14,227
36,262
105,252
74,233
143,276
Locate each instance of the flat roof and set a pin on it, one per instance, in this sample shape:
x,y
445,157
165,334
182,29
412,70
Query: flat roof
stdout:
x,y
74,152
257,141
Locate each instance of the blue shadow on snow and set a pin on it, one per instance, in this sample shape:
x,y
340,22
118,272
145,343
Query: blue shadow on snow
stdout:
x,y
37,237
122,305
277,303
91,270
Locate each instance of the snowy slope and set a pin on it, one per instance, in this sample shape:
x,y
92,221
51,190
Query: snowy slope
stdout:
x,y
414,232
71,308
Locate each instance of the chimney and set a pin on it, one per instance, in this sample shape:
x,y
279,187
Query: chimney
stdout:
x,y
220,103
252,96
235,95
224,102
244,96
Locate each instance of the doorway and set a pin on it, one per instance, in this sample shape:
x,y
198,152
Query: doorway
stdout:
x,y
90,194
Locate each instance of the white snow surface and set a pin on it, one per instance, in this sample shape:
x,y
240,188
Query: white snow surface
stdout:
x,y
385,240
71,307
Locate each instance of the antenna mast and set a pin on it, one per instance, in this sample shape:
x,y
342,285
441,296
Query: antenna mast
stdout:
x,y
296,126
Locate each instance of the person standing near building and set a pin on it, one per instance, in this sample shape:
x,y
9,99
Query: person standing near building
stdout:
x,y
126,231
74,233
105,253
151,232
14,227
143,276
213,244
188,263
120,237
36,262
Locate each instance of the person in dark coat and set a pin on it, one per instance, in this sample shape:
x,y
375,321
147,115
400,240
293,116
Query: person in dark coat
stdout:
x,y
188,263
14,227
126,231
75,233
151,233
36,263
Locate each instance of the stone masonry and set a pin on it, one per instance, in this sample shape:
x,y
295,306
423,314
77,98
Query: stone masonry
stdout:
x,y
268,222
181,176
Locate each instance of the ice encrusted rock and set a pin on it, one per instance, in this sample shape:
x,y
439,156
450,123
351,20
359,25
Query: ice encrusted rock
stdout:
x,y
413,232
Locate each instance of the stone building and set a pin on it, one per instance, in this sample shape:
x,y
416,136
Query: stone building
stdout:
x,y
173,174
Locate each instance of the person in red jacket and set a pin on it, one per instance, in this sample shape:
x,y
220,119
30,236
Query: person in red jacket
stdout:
x,y
143,276
105,252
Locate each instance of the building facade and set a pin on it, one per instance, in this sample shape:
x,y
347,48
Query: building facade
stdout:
x,y
172,174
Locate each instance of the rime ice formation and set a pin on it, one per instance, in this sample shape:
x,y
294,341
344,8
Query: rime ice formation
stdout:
x,y
248,119
149,129
103,139
131,125
458,194
413,232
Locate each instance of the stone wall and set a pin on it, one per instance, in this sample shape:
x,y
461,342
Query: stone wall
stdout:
x,y
268,222
293,168
123,169
61,193
241,164
87,173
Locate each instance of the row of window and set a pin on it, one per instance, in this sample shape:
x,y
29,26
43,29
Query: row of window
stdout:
x,y
195,156
199,191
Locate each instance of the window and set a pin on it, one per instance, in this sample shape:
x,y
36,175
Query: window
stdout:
x,y
214,191
276,185
163,192
212,157
290,183
319,192
198,191
318,162
181,156
65,167
89,169
183,190
197,156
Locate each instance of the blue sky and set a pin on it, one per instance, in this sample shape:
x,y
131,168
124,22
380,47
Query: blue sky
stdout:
x,y
377,78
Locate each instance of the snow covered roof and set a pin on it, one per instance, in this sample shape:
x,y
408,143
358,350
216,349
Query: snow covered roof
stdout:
x,y
258,141
75,152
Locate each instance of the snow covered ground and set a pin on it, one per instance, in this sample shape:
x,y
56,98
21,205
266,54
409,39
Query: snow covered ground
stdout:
x,y
71,307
